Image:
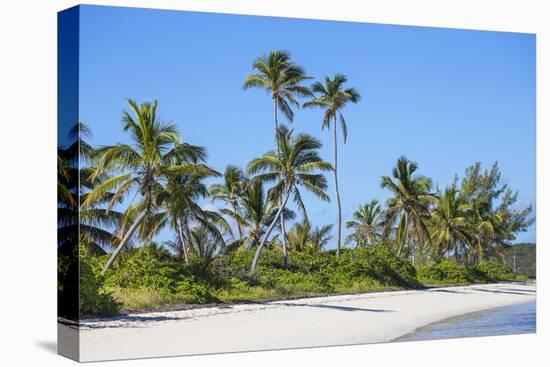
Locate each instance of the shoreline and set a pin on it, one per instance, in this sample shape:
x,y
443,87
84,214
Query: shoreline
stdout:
x,y
456,318
194,306
299,323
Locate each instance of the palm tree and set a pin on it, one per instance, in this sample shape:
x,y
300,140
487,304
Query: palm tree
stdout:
x,y
204,243
293,166
180,198
409,205
333,97
366,224
143,165
94,224
303,237
255,213
482,234
451,230
278,75
229,192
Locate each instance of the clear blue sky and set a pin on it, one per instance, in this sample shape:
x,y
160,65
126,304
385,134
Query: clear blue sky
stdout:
x,y
445,98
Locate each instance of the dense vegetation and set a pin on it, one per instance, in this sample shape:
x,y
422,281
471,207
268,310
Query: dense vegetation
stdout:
x,y
261,243
522,259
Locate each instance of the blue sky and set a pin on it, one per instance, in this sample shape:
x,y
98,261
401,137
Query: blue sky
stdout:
x,y
445,98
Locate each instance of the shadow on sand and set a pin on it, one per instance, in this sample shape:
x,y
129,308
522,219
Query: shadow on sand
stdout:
x,y
333,307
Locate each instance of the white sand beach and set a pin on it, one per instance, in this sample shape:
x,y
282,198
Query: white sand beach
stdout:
x,y
324,321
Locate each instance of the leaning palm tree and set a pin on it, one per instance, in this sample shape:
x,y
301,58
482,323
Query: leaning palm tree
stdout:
x,y
408,208
143,165
278,75
295,165
450,227
255,214
229,192
366,224
333,97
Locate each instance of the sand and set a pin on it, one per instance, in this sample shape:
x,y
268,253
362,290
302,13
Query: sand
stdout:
x,y
324,321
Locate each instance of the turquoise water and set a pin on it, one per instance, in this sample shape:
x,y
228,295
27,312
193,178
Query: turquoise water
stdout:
x,y
515,319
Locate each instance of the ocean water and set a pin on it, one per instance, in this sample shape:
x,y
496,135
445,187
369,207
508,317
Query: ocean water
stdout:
x,y
515,319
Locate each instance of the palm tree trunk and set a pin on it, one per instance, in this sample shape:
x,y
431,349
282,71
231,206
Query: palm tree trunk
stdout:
x,y
285,245
339,237
480,252
182,241
188,234
268,232
239,224
403,240
275,120
283,229
125,239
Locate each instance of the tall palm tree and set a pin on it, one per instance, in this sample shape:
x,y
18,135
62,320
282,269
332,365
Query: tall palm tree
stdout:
x,y
143,165
366,224
451,230
278,75
409,205
229,192
333,97
303,237
293,166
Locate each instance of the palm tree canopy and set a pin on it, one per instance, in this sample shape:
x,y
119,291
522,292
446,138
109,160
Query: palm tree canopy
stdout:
x,y
154,153
410,203
303,237
281,78
451,230
95,224
333,97
234,181
295,165
366,223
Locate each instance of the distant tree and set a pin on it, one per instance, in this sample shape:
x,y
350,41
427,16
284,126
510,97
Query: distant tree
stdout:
x,y
451,230
409,207
303,237
230,191
366,225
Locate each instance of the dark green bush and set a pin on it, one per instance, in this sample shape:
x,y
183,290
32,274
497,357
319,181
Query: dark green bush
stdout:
x,y
378,263
154,268
495,272
447,272
94,299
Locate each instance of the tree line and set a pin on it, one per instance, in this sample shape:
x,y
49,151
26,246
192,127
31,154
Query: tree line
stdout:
x,y
123,195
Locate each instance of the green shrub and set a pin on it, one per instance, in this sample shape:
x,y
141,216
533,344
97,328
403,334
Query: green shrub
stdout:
x,y
94,299
495,272
378,263
150,276
447,272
